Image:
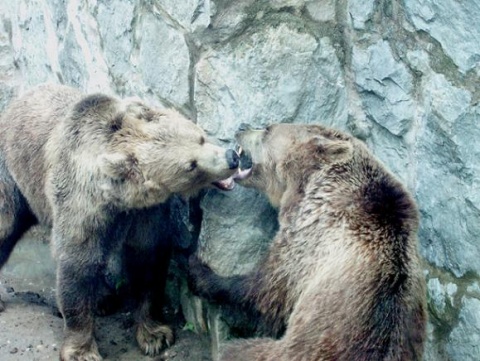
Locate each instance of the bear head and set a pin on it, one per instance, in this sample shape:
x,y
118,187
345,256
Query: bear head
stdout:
x,y
148,154
283,156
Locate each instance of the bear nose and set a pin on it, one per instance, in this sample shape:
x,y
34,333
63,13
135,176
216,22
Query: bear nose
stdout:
x,y
233,159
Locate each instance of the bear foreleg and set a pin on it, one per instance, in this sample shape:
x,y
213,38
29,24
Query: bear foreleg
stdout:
x,y
77,284
152,335
251,291
147,256
206,283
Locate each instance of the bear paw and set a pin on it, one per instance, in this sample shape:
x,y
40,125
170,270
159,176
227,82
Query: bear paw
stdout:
x,y
153,336
71,352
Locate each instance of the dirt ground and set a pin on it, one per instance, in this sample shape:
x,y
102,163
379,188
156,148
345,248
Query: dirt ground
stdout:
x,y
31,330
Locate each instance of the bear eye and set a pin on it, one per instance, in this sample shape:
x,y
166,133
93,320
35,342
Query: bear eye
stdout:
x,y
192,166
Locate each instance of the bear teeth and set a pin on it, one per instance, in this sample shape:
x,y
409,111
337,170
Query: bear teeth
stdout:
x,y
239,150
243,173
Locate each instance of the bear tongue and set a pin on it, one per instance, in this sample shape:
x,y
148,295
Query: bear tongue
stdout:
x,y
229,183
225,184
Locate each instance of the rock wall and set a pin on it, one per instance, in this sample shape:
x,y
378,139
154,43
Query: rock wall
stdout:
x,y
402,75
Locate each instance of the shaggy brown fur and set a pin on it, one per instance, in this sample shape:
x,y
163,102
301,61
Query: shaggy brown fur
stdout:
x,y
97,170
342,276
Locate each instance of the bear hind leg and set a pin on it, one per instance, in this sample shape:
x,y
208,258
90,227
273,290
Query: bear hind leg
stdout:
x,y
15,217
147,256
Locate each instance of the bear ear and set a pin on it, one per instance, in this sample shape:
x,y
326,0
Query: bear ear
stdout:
x,y
120,166
134,107
330,150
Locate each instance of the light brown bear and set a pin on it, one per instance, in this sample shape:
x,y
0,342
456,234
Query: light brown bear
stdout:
x,y
342,277
97,170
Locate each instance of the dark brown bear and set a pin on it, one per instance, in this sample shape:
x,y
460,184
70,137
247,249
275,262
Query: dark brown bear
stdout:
x,y
342,276
97,170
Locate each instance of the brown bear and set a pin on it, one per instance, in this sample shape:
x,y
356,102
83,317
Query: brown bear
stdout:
x,y
342,279
97,169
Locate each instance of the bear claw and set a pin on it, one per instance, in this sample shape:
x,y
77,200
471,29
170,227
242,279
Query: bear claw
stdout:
x,y
153,336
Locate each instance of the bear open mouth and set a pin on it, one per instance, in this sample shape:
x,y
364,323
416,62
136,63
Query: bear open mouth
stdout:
x,y
225,184
244,171
229,183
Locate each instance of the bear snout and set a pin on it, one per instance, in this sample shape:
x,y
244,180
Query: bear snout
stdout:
x,y
233,159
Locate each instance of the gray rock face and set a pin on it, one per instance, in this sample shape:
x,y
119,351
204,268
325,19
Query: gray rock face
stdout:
x,y
360,12
191,14
167,76
321,10
385,87
229,244
401,75
454,24
273,74
452,170
7,67
464,341
118,39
